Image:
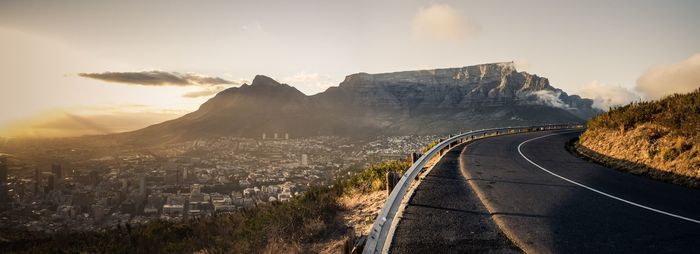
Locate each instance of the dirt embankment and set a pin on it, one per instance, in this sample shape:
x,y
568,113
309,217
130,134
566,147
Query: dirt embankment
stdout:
x,y
646,149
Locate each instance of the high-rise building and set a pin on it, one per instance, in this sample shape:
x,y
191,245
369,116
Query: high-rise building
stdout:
x,y
142,185
173,177
94,177
264,136
3,169
57,170
51,183
275,135
37,182
4,197
305,160
286,136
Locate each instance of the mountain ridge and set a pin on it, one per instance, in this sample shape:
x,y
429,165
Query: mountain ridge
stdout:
x,y
434,101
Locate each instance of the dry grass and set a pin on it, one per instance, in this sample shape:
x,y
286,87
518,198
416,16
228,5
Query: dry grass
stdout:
x,y
275,246
360,210
646,149
658,138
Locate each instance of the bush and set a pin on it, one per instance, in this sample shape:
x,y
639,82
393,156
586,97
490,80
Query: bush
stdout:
x,y
373,178
680,113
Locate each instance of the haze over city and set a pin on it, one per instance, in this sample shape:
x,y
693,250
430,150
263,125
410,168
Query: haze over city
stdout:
x,y
55,52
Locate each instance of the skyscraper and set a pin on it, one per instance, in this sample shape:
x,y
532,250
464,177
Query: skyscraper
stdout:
x,y
142,185
4,198
51,183
173,177
305,160
37,182
3,169
94,177
57,172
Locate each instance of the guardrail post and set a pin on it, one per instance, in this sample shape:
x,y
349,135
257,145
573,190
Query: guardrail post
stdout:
x,y
413,157
391,179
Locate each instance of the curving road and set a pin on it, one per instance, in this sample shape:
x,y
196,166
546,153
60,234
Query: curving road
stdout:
x,y
526,190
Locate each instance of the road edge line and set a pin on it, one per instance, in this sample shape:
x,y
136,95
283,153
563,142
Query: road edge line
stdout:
x,y
593,189
507,231
409,195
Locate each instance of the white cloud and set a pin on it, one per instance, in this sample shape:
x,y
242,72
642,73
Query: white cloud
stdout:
x,y
605,95
310,83
680,77
547,98
205,92
443,22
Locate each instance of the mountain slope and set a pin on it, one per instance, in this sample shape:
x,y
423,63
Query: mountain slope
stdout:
x,y
411,102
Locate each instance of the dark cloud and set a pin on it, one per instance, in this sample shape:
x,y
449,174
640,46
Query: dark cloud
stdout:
x,y
157,78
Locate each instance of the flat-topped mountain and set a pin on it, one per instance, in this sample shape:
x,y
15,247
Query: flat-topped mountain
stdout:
x,y
401,103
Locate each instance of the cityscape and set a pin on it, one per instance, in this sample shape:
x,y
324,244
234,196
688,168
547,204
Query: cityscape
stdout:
x,y
187,179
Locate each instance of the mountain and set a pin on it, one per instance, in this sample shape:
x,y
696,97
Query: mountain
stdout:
x,y
436,101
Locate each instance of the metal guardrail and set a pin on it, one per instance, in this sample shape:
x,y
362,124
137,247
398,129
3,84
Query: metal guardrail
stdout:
x,y
381,233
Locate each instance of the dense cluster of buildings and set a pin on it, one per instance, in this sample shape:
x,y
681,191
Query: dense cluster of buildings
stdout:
x,y
182,180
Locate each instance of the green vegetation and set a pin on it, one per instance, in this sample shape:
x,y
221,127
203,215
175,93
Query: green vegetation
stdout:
x,y
373,178
305,219
680,113
430,145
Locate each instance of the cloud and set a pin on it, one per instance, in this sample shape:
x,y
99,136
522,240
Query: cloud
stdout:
x,y
210,85
157,78
680,77
443,22
209,91
546,97
605,95
310,83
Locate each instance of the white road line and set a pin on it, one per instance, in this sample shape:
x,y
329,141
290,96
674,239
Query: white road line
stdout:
x,y
594,190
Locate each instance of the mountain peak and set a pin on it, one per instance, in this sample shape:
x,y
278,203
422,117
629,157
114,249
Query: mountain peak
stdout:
x,y
264,81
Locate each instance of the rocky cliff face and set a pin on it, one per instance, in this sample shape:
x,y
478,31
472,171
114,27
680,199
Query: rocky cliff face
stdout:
x,y
480,85
411,102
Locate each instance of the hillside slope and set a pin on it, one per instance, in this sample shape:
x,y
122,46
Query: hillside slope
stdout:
x,y
660,138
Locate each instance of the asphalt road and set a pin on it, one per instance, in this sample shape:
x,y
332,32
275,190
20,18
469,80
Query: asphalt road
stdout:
x,y
563,204
444,216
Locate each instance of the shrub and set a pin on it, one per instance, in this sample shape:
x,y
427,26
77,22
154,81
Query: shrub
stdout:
x,y
373,178
429,146
670,154
680,113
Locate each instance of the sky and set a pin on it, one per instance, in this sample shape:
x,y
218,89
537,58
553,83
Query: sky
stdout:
x,y
90,67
